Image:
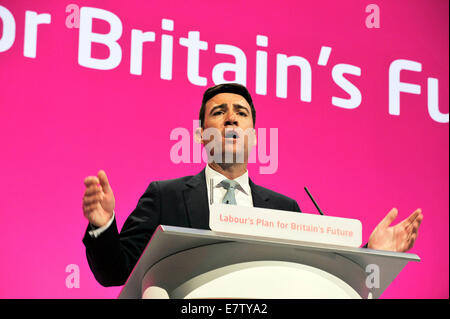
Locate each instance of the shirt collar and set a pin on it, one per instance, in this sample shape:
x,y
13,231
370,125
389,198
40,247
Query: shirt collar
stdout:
x,y
243,180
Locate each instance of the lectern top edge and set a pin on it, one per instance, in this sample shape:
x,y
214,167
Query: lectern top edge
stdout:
x,y
208,234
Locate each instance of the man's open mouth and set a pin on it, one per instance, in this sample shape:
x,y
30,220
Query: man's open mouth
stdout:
x,y
231,134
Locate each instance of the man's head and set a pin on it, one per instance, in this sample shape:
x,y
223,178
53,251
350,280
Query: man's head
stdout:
x,y
226,88
227,120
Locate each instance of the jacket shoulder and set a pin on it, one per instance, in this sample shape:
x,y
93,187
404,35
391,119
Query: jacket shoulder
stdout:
x,y
273,195
177,184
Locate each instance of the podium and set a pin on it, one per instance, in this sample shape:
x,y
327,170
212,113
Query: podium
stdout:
x,y
185,263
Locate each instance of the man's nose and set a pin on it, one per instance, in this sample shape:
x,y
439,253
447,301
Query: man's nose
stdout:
x,y
231,119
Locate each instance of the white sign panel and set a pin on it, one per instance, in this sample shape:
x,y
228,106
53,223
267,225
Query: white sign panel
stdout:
x,y
272,223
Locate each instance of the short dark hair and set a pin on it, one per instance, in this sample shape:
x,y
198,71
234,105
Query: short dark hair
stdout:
x,y
226,88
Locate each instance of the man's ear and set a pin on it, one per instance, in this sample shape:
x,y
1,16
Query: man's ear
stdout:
x,y
198,135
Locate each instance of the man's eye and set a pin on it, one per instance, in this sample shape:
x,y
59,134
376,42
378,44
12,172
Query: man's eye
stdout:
x,y
242,114
217,112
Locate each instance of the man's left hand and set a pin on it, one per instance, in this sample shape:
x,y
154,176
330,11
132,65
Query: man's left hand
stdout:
x,y
398,238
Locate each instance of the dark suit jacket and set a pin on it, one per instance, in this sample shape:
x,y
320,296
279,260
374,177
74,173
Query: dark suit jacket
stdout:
x,y
179,202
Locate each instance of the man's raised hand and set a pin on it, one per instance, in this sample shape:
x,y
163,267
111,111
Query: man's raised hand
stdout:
x,y
98,199
399,238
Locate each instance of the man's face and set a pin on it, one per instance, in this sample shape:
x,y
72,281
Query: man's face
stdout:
x,y
230,116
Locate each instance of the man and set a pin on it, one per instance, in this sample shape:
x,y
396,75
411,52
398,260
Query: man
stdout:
x,y
227,109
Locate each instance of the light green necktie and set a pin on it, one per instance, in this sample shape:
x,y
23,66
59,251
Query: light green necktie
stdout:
x,y
230,186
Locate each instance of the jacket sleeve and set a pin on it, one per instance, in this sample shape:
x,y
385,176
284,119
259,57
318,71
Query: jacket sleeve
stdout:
x,y
296,208
112,256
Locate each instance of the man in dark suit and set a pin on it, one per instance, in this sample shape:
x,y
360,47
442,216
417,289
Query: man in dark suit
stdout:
x,y
228,110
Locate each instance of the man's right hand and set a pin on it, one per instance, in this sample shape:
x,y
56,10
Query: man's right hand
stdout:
x,y
98,199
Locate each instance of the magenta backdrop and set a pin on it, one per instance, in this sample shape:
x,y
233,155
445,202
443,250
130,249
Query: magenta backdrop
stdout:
x,y
60,121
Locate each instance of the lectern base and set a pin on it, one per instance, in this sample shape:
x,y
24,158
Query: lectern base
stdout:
x,y
256,280
252,271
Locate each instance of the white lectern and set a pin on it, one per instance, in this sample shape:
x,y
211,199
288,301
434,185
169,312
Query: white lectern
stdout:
x,y
191,263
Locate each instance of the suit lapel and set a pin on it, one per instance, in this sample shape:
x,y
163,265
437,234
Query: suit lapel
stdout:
x,y
259,197
196,201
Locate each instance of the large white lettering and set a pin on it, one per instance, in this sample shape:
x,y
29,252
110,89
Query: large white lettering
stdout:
x,y
87,37
9,29
137,39
194,45
32,20
283,62
83,18
395,86
338,76
239,68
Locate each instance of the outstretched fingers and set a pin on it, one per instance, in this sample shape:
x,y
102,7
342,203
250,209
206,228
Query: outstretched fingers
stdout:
x,y
413,221
412,228
389,218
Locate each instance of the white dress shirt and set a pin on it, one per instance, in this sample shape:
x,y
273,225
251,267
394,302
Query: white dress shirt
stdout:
x,y
243,194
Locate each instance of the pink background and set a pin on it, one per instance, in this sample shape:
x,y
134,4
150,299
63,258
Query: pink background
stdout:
x,y
60,122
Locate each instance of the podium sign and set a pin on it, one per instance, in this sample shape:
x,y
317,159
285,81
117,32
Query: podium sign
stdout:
x,y
278,224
